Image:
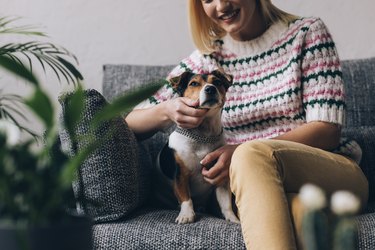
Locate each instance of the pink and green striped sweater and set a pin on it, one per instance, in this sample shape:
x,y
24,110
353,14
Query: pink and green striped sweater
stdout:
x,y
289,76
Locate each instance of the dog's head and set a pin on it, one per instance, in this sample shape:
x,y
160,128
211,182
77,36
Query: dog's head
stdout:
x,y
209,89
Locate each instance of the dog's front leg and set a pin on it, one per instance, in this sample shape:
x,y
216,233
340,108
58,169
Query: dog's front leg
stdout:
x,y
224,198
182,191
186,215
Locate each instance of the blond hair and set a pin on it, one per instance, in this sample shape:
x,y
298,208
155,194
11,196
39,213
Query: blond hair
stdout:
x,y
205,32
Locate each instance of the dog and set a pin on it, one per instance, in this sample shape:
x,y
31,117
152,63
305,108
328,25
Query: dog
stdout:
x,y
187,147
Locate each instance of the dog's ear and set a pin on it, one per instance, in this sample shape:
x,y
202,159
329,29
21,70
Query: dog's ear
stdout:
x,y
224,77
179,83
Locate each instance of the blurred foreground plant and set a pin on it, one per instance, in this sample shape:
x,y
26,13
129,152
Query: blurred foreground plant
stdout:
x,y
324,229
35,182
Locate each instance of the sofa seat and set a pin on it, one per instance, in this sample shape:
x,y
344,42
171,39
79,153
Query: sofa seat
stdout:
x,y
366,228
156,229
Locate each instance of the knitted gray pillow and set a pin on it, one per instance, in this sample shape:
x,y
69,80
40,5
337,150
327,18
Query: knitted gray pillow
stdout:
x,y
110,180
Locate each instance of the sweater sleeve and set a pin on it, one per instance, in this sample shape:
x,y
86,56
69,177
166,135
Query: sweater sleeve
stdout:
x,y
196,63
322,84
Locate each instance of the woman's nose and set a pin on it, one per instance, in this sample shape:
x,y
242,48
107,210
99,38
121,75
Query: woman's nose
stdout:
x,y
222,5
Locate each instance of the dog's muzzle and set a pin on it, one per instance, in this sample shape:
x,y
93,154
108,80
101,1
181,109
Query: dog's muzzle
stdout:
x,y
209,96
210,90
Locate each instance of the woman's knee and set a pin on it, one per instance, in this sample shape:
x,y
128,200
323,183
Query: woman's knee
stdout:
x,y
252,154
253,164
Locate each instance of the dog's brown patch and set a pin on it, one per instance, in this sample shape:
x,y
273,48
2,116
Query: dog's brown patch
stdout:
x,y
194,86
181,183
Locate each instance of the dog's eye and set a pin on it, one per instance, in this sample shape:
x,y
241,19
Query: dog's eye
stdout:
x,y
217,83
194,84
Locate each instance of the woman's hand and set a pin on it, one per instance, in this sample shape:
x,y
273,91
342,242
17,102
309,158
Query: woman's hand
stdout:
x,y
218,174
181,111
184,113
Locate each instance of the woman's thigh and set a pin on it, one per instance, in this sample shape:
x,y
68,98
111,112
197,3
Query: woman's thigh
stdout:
x,y
299,164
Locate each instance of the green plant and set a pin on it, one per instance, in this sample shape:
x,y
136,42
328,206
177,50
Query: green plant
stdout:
x,y
12,57
35,185
35,182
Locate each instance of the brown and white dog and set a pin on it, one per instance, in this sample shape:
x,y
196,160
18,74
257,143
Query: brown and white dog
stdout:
x,y
187,147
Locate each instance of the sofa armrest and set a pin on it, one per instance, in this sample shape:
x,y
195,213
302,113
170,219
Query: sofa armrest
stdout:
x,y
365,137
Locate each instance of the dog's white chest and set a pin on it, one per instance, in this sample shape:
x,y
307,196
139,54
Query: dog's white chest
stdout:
x,y
191,152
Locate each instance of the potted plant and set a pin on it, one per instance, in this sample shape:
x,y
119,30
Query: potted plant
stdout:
x,y
35,189
36,197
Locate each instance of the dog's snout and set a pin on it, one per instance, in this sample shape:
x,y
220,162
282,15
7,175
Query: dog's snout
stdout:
x,y
210,90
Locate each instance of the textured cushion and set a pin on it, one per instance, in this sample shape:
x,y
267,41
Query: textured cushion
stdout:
x,y
109,180
365,136
158,230
359,80
366,231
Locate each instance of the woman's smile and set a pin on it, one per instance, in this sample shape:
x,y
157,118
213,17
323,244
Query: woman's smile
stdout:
x,y
230,16
239,18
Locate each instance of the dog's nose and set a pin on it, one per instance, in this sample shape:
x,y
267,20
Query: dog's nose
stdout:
x,y
210,90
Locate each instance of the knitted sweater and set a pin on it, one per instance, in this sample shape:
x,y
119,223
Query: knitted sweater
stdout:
x,y
287,77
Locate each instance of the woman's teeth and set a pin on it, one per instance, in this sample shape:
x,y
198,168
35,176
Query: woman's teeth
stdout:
x,y
229,15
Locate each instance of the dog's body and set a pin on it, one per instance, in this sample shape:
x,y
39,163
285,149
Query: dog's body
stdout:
x,y
187,147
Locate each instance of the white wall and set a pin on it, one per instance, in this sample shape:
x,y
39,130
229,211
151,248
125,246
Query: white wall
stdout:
x,y
351,22
155,32
114,31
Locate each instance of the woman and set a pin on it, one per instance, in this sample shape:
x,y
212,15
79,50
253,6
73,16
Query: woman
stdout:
x,y
282,116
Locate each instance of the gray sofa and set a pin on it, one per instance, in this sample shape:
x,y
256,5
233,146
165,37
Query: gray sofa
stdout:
x,y
116,180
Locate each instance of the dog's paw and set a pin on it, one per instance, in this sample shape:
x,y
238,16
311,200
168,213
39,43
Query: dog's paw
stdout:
x,y
231,217
186,214
185,217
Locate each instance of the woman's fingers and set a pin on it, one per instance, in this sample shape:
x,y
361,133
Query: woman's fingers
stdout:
x,y
185,114
220,159
219,179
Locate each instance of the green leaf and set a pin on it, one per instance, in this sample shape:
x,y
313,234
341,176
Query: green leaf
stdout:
x,y
125,103
70,67
42,107
48,53
22,30
17,69
69,171
73,110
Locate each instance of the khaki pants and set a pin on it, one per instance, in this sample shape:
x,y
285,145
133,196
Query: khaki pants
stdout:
x,y
266,175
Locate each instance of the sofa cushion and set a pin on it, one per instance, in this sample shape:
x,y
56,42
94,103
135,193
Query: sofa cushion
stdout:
x,y
366,231
156,229
365,137
110,180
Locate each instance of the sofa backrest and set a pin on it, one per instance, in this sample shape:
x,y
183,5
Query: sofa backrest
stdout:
x,y
119,78
358,75
359,80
